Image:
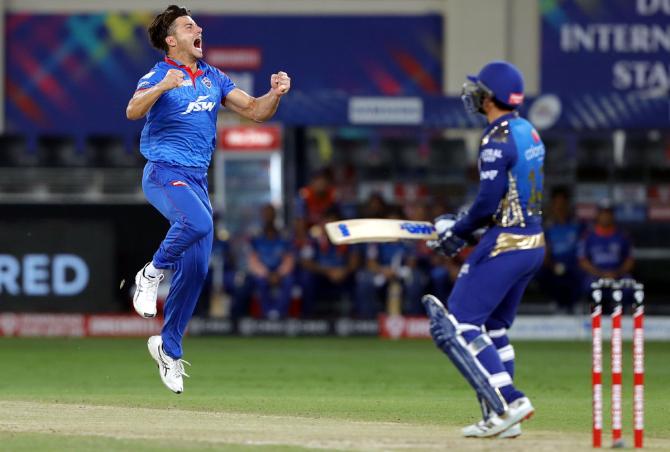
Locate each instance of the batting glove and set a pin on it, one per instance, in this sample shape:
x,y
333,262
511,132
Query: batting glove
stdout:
x,y
447,243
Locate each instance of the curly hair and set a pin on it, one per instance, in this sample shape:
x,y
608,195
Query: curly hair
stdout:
x,y
162,25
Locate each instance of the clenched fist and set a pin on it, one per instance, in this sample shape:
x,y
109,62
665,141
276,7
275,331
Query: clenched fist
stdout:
x,y
173,78
280,83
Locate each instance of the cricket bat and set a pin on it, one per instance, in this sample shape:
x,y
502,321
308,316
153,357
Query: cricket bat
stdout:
x,y
362,230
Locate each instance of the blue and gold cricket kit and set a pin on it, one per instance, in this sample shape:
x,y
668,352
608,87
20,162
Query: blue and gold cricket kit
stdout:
x,y
495,275
178,140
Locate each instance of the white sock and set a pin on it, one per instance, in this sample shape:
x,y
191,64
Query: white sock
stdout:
x,y
152,271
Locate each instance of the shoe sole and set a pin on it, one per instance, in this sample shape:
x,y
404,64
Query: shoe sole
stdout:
x,y
143,314
501,434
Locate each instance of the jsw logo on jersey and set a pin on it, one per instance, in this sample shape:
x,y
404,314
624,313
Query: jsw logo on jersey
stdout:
x,y
199,105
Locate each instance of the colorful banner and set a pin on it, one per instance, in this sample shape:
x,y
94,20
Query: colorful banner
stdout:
x,y
74,74
605,63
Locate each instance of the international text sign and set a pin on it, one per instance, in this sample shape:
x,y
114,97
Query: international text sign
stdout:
x,y
608,60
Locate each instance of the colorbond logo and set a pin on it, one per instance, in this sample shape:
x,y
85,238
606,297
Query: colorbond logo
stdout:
x,y
385,110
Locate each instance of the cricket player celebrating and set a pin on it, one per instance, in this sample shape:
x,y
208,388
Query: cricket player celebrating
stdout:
x,y
180,98
471,330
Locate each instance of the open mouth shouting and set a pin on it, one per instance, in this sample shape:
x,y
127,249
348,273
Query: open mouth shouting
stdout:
x,y
197,43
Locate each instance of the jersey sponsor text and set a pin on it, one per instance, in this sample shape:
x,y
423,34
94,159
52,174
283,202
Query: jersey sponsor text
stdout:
x,y
199,105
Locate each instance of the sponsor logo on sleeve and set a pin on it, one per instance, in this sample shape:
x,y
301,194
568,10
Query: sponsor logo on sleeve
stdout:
x,y
534,152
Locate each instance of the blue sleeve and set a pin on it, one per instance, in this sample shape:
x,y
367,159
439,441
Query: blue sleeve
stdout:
x,y
150,79
494,161
227,85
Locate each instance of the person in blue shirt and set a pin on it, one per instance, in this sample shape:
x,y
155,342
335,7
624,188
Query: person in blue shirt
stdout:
x,y
327,270
605,251
271,264
472,329
180,98
390,273
222,281
561,276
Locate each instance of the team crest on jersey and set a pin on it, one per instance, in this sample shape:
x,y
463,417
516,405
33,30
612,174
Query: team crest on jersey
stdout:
x,y
207,82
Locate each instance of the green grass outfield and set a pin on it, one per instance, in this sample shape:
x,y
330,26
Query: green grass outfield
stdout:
x,y
404,382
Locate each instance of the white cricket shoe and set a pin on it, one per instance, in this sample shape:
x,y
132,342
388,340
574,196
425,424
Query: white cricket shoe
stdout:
x,y
512,432
517,411
479,430
146,293
171,370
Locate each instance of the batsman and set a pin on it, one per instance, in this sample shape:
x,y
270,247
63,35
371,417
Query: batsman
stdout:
x,y
472,329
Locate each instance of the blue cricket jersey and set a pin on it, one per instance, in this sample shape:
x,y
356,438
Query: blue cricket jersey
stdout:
x,y
271,252
331,256
605,251
388,253
181,125
511,158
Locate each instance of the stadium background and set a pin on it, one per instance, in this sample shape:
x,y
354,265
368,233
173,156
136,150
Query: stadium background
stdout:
x,y
375,100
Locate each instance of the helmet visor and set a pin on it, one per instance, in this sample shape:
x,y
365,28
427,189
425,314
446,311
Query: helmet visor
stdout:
x,y
473,94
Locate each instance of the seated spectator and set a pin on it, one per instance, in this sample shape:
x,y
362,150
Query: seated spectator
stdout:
x,y
419,263
374,207
326,270
389,273
271,263
561,277
316,198
222,281
605,251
